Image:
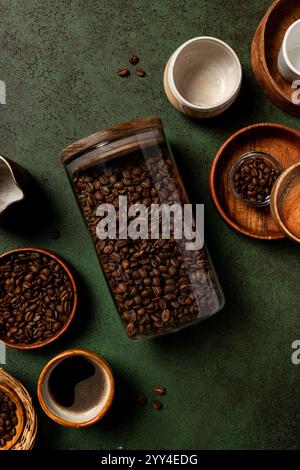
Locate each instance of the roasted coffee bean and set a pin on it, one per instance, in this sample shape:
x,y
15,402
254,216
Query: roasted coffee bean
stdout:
x,y
8,419
99,196
125,264
122,287
165,316
123,72
140,72
29,312
55,234
156,404
133,59
141,400
108,249
156,290
159,390
158,285
254,179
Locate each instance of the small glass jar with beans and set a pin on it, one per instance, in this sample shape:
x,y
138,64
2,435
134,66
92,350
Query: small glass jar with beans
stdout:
x,y
158,285
252,178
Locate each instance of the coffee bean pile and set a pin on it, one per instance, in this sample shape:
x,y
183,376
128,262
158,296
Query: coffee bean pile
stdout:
x,y
158,285
156,404
133,59
36,297
254,179
8,419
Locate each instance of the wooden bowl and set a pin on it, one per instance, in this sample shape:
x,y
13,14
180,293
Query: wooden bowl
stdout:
x,y
279,141
40,344
265,49
20,415
66,416
281,188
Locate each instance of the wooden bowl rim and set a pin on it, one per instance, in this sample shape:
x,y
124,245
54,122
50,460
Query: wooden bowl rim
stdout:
x,y
94,358
75,299
19,412
213,170
261,30
274,203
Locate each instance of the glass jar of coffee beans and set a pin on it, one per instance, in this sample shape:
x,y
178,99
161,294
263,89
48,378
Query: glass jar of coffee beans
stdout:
x,y
125,179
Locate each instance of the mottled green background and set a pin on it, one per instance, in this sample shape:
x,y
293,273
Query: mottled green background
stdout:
x,y
230,380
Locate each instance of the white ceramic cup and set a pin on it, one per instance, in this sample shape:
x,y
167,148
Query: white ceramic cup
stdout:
x,y
289,54
203,77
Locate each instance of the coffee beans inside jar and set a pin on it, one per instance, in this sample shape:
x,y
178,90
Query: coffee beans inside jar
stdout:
x,y
158,285
8,419
253,177
36,297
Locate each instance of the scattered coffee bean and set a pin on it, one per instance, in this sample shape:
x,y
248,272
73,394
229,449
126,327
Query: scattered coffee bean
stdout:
x,y
8,419
159,390
142,400
156,404
140,72
55,234
133,59
123,72
254,178
158,285
36,297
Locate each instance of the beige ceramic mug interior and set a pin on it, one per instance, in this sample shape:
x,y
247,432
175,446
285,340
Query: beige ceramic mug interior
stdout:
x,y
205,73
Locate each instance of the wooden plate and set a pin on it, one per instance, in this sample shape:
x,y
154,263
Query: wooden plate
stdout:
x,y
20,415
265,49
279,141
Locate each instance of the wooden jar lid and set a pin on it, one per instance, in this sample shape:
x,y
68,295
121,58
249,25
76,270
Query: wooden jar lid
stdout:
x,y
107,135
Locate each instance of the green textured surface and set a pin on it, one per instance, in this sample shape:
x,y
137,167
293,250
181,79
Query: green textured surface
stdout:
x,y
230,380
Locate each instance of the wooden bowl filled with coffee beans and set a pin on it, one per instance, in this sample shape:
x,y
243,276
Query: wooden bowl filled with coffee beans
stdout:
x,y
11,418
38,298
